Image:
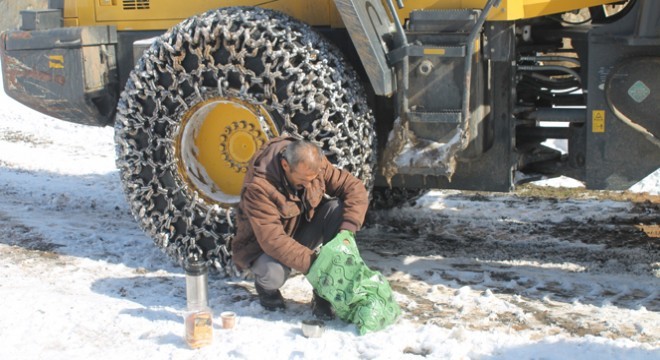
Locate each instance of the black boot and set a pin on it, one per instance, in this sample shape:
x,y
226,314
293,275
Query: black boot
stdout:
x,y
271,300
321,308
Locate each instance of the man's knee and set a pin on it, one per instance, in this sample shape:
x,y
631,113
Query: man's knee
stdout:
x,y
269,273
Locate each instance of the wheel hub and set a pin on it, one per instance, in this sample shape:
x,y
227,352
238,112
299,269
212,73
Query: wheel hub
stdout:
x,y
217,140
239,142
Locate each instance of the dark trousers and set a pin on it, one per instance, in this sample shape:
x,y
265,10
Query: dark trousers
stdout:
x,y
270,274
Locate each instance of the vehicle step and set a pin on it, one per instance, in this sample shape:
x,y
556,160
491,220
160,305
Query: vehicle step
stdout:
x,y
445,117
448,51
444,21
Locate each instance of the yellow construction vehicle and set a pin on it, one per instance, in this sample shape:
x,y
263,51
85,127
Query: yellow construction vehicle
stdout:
x,y
407,95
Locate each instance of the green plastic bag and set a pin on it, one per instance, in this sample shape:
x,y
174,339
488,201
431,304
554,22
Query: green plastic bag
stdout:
x,y
359,295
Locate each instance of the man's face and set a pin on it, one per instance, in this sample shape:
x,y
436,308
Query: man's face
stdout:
x,y
301,175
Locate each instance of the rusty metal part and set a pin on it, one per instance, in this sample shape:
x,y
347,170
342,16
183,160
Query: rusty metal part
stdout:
x,y
66,73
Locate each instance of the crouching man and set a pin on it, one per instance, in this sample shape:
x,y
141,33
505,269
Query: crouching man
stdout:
x,y
283,215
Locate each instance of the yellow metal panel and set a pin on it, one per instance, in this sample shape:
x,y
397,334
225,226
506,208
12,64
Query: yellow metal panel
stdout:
x,y
162,14
315,12
335,18
508,9
534,8
159,10
71,8
71,22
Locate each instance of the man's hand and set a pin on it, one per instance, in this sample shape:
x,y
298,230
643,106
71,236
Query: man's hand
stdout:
x,y
316,253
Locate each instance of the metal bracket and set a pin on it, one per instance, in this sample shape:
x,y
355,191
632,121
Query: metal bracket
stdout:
x,y
399,54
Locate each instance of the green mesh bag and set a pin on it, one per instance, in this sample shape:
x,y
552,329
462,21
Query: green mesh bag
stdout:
x,y
358,294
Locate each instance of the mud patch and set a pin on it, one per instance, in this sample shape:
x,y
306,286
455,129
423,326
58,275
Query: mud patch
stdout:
x,y
24,242
462,267
19,137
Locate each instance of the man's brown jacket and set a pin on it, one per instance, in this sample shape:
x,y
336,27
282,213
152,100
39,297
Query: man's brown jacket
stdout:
x,y
269,211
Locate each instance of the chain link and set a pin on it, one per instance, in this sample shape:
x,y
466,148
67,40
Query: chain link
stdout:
x,y
254,55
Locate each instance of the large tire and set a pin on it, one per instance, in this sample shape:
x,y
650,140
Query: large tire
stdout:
x,y
203,99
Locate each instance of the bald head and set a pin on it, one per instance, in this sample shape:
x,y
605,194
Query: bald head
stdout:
x,y
303,152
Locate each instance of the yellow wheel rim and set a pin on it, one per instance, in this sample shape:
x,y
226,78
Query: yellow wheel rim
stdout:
x,y
217,140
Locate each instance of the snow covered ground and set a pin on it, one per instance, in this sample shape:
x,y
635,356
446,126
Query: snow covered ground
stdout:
x,y
479,276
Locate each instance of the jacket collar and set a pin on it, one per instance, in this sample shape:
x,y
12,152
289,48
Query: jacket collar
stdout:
x,y
268,165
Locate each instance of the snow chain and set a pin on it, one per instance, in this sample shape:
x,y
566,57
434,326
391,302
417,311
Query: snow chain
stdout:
x,y
175,74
